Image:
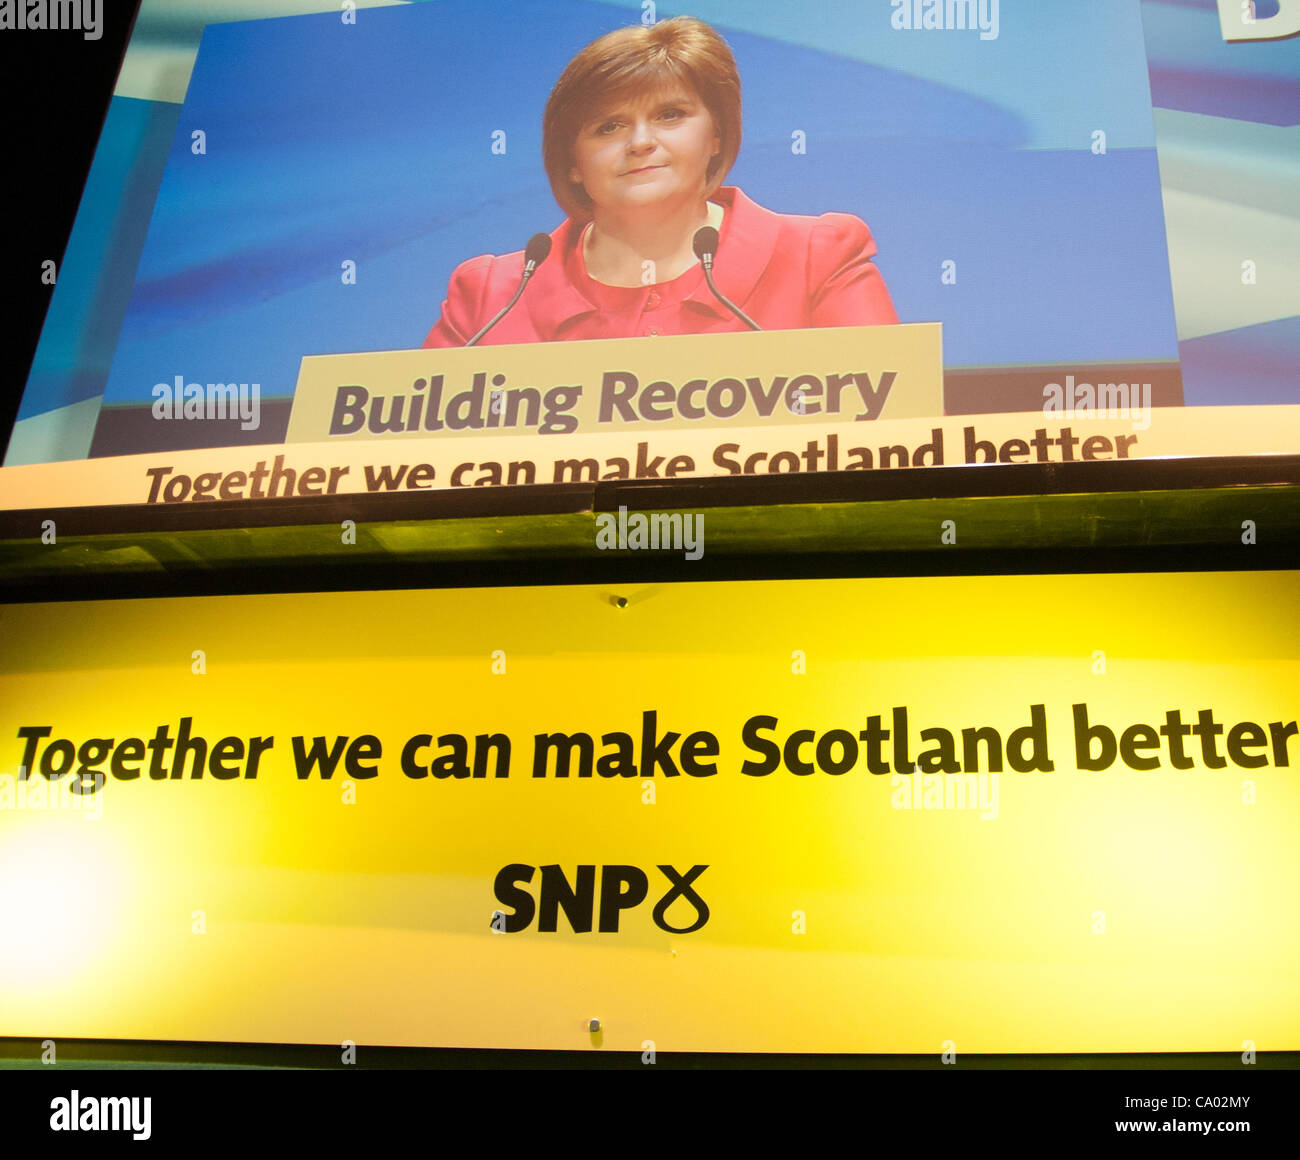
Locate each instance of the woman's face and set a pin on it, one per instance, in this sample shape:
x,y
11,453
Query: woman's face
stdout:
x,y
646,151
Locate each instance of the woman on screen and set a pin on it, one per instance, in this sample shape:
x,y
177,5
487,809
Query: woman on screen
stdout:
x,y
638,134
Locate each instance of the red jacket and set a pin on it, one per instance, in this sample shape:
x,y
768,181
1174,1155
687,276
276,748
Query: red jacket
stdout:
x,y
786,271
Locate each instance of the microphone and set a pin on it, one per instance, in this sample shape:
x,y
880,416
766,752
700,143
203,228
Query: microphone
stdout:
x,y
539,247
706,245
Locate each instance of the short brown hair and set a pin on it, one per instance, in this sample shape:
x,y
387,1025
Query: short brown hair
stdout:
x,y
635,59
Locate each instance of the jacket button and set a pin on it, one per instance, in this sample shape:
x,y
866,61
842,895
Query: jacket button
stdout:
x,y
652,303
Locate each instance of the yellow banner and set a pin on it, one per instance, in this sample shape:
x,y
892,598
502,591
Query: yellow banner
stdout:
x,y
670,383
1002,814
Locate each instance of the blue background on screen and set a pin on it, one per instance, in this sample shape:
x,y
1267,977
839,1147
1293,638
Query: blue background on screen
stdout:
x,y
370,143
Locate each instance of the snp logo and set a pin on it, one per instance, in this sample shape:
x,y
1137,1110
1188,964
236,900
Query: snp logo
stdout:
x,y
621,888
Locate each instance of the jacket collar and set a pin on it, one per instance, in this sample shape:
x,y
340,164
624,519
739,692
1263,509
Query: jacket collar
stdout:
x,y
745,247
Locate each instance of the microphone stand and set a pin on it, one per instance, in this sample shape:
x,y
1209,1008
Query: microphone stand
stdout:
x,y
705,244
